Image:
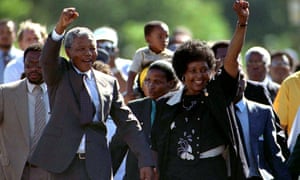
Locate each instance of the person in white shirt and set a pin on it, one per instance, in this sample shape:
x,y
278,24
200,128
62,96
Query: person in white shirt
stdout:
x,y
7,49
29,33
107,40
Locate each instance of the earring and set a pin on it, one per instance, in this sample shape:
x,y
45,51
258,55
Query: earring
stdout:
x,y
182,79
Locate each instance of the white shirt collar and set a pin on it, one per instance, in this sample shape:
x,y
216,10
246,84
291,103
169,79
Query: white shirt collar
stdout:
x,y
264,82
163,52
175,99
88,73
31,86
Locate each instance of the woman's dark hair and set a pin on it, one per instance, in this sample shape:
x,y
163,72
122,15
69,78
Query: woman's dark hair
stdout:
x,y
166,67
192,51
163,65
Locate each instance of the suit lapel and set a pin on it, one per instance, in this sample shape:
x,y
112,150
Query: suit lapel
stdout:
x,y
76,83
147,107
21,108
76,86
254,127
142,109
101,87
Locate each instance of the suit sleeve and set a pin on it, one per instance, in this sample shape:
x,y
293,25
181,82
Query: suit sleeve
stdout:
x,y
294,160
51,61
118,149
274,154
130,129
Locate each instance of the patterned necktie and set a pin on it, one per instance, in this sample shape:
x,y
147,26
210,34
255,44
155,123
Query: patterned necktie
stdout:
x,y
39,116
87,108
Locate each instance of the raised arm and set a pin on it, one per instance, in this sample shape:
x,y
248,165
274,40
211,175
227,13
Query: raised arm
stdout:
x,y
50,60
231,63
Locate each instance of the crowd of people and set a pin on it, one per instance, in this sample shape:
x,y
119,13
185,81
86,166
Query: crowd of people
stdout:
x,y
181,109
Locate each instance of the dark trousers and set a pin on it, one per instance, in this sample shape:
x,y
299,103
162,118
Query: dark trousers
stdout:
x,y
76,171
34,173
213,168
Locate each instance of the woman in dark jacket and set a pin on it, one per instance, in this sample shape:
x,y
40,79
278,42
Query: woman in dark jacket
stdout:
x,y
191,128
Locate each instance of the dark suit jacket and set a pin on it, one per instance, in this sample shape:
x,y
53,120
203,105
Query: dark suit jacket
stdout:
x,y
142,110
62,135
258,93
264,148
254,92
272,88
294,160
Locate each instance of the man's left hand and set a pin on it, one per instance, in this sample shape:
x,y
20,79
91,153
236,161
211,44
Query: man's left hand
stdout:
x,y
146,173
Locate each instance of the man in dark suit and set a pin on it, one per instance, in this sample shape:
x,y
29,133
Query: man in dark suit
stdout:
x,y
255,91
73,145
7,48
258,60
264,155
294,160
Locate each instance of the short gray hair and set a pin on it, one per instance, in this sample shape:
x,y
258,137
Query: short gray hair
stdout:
x,y
266,57
75,33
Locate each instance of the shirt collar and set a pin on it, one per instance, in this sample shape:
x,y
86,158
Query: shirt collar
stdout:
x,y
241,105
164,52
88,73
13,52
31,86
264,82
152,52
175,99
8,53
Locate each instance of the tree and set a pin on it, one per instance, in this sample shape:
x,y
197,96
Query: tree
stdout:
x,y
14,9
268,24
128,17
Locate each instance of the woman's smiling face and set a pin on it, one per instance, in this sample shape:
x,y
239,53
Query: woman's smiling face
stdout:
x,y
196,77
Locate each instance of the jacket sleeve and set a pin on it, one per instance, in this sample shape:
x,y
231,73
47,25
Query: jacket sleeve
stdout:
x,y
293,162
118,149
51,62
274,153
129,128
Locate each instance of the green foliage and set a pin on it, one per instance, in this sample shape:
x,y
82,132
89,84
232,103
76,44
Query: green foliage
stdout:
x,y
128,17
131,32
208,20
14,9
